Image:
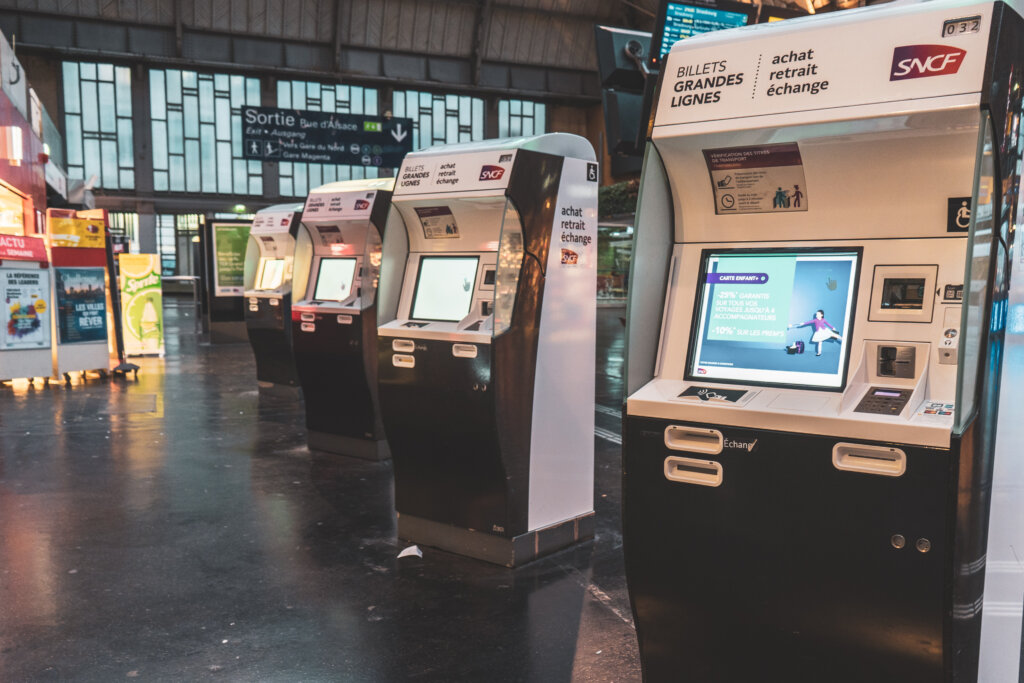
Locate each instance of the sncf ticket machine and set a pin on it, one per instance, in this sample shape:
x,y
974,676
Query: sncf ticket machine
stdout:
x,y
486,345
334,316
814,335
268,284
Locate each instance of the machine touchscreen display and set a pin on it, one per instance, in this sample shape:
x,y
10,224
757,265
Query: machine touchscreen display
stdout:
x,y
334,280
775,317
444,287
270,274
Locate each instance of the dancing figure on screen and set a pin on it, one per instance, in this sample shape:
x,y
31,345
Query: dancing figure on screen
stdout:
x,y
823,330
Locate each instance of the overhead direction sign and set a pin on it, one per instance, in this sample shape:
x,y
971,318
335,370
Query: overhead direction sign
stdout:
x,y
273,134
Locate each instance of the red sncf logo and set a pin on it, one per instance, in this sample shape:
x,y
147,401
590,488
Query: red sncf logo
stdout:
x,y
362,204
491,172
918,61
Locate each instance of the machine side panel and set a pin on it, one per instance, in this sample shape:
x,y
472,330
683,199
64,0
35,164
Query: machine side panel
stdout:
x,y
789,556
534,180
562,444
652,254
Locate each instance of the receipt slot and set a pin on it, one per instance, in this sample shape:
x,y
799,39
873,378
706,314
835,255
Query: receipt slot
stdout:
x,y
486,345
811,368
269,259
334,315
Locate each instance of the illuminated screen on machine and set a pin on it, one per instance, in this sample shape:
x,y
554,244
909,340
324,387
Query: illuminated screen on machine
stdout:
x,y
334,279
270,273
683,21
773,317
444,288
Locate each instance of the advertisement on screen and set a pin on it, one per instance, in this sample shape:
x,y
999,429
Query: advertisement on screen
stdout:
x,y
81,305
229,242
141,304
26,317
444,288
776,318
334,281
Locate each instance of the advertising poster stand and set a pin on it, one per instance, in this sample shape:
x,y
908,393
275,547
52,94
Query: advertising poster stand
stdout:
x,y
141,300
79,286
223,245
25,319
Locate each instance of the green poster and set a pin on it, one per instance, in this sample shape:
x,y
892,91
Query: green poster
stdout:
x,y
229,243
142,311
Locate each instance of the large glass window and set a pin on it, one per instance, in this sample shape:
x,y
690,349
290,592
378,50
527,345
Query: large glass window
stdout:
x,y
98,124
440,119
520,117
125,223
297,179
175,236
197,132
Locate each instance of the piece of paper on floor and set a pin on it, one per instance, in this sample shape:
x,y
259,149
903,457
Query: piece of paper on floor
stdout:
x,y
413,550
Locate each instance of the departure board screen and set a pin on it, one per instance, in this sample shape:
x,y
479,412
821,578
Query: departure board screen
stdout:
x,y
684,20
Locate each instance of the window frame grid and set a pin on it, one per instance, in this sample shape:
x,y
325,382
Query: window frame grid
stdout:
x,y
96,85
197,132
296,178
462,115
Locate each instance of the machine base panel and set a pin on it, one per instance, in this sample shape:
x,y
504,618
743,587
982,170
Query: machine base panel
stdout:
x,y
366,449
509,552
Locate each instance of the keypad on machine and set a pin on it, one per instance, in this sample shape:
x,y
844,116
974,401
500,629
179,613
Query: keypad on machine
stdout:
x,y
884,401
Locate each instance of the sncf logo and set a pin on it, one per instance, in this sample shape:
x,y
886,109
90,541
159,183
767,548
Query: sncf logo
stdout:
x,y
491,172
918,61
362,204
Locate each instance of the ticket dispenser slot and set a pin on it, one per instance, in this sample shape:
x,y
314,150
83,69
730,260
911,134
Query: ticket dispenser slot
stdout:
x,y
693,471
694,439
896,361
881,460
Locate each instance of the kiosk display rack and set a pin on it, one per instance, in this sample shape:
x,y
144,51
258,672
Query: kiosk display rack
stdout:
x,y
78,253
813,347
334,315
268,285
486,345
25,292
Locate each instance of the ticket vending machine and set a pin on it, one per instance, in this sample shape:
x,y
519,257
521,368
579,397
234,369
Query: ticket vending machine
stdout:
x,y
813,347
486,345
334,315
268,285
25,343
78,253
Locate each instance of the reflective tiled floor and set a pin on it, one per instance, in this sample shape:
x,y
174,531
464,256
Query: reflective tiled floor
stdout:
x,y
177,528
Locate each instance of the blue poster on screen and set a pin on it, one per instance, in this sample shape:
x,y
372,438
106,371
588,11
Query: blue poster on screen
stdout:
x,y
81,305
776,317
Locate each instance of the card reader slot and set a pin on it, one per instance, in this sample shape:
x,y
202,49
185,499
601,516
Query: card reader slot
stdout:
x,y
693,471
881,460
693,439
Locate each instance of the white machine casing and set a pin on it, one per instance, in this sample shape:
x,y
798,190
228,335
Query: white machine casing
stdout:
x,y
477,200
886,150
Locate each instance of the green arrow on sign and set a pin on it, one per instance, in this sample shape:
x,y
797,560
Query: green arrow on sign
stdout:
x,y
371,126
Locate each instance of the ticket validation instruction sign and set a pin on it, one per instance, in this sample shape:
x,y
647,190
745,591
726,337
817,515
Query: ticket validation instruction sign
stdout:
x,y
757,179
81,305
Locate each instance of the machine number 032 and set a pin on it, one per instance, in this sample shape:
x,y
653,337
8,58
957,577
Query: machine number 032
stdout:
x,y
956,27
